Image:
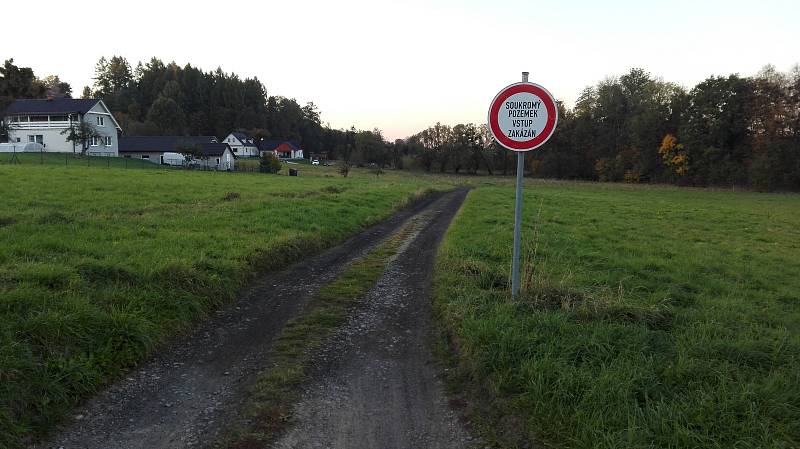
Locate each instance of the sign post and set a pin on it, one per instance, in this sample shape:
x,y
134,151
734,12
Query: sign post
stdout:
x,y
522,117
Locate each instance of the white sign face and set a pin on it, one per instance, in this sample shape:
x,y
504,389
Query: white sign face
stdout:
x,y
522,116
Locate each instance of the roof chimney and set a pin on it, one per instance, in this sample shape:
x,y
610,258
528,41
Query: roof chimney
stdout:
x,y
50,95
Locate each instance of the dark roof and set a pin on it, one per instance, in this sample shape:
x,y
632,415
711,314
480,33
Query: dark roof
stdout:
x,y
213,149
161,144
241,136
54,106
270,145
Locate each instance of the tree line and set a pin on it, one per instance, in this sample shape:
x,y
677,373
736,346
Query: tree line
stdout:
x,y
726,130
157,98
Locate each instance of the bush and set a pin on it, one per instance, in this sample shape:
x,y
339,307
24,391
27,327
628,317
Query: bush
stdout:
x,y
269,163
344,168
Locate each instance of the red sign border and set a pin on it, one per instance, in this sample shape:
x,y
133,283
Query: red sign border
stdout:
x,y
549,127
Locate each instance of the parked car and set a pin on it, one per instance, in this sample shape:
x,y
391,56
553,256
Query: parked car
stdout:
x,y
314,161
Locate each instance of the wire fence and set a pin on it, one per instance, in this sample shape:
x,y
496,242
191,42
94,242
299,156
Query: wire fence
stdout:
x,y
108,161
74,160
247,165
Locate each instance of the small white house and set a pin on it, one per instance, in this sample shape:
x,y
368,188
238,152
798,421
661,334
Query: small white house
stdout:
x,y
46,122
241,144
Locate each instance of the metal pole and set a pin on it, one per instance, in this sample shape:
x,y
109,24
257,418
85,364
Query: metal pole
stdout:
x,y
518,217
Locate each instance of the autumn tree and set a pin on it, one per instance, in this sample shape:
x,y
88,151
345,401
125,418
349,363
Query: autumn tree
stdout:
x,y
673,154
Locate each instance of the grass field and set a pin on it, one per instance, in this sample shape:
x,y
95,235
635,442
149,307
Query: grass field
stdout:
x,y
69,160
98,265
651,317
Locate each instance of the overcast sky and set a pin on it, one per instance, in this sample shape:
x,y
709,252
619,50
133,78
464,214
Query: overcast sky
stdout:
x,y
403,65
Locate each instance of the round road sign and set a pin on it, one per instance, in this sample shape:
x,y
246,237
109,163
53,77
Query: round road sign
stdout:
x,y
523,116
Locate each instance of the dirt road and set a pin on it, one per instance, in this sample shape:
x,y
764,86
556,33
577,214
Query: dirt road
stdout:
x,y
382,375
376,381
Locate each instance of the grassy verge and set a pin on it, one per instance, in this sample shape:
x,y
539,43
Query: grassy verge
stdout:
x,y
651,317
268,410
69,160
98,266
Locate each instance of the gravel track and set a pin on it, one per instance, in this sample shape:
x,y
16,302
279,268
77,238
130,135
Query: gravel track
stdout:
x,y
376,381
183,396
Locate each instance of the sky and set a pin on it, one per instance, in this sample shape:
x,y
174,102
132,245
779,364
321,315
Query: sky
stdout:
x,y
402,66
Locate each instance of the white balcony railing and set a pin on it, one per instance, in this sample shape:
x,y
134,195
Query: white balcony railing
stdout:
x,y
39,125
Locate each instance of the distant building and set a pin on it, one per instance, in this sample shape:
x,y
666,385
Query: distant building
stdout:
x,y
284,149
46,122
241,144
211,153
321,156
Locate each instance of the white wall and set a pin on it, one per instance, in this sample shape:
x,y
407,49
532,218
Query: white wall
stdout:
x,y
226,161
242,149
108,130
54,141
153,157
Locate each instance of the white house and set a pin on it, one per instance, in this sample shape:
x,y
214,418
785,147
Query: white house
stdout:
x,y
241,144
46,122
210,153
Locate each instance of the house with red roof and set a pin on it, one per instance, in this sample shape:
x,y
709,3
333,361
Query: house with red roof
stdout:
x,y
283,149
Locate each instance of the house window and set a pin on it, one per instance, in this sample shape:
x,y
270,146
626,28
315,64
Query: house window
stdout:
x,y
145,156
235,150
95,141
101,121
36,139
217,161
107,140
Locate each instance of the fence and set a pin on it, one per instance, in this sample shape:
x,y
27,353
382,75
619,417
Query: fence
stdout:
x,y
104,161
109,161
72,160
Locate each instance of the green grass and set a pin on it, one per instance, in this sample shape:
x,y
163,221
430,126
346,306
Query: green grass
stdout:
x,y
269,406
99,265
69,160
650,317
252,163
